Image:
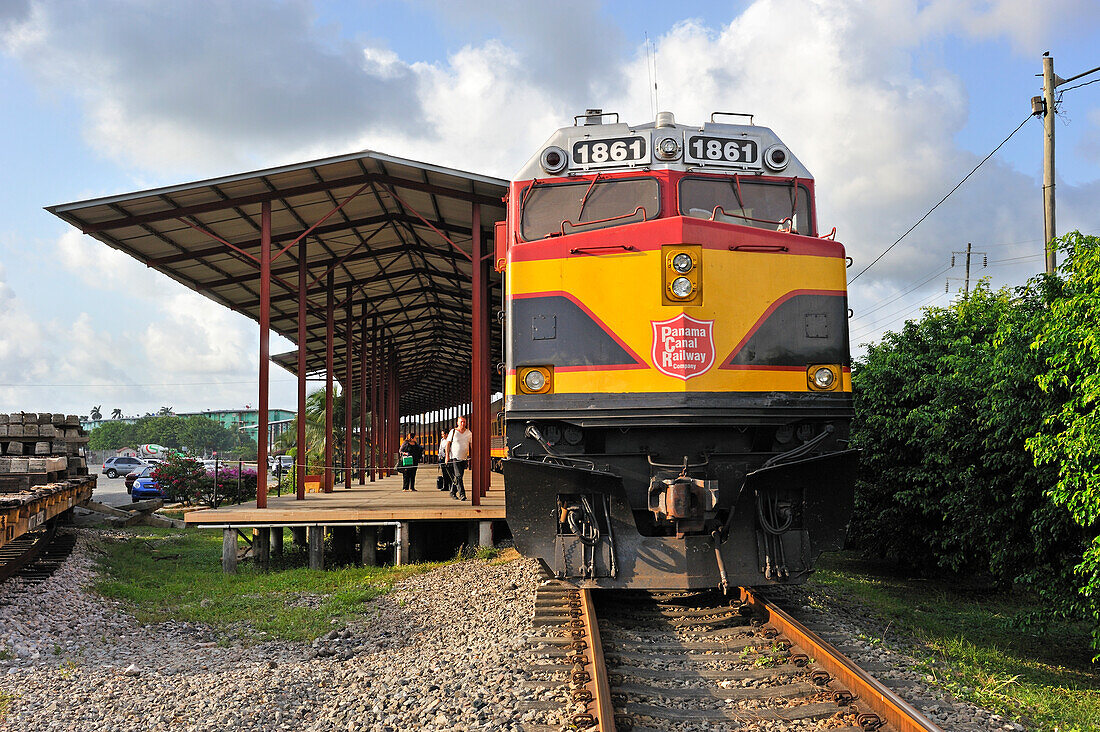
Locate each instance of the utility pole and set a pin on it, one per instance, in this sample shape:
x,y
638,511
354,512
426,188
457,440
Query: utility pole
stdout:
x,y
1046,106
966,281
1049,114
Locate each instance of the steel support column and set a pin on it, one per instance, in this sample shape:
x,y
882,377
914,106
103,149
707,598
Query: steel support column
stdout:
x,y
349,390
265,360
330,336
302,458
363,462
479,365
375,434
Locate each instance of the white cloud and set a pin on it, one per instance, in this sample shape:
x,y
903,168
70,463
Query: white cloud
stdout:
x,y
104,268
849,86
194,335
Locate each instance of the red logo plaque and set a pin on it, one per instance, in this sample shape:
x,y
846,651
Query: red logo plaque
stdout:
x,y
683,346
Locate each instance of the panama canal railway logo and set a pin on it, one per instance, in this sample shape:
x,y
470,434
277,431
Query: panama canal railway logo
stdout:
x,y
683,346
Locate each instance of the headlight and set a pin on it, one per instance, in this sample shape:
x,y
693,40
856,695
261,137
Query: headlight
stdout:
x,y
668,148
776,157
553,159
824,377
534,380
681,287
682,263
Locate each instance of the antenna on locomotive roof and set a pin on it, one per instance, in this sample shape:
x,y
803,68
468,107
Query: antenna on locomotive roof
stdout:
x,y
651,67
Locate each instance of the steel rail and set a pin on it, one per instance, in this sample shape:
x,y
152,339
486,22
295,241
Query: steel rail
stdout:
x,y
598,685
879,699
12,566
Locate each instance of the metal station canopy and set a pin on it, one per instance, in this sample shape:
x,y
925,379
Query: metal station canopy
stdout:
x,y
393,238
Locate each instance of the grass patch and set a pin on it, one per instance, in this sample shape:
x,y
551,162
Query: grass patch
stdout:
x,y
164,574
970,640
6,698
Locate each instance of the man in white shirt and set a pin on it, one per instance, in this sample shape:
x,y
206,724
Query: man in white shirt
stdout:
x,y
458,443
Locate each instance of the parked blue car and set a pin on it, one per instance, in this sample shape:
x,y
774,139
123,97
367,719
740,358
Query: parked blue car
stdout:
x,y
145,488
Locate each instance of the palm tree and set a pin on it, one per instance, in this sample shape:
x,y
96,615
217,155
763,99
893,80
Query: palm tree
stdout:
x,y
164,412
95,414
116,413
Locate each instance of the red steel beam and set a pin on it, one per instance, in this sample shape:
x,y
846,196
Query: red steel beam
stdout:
x,y
363,396
215,237
479,367
302,458
330,332
428,224
265,353
374,400
341,226
324,218
349,391
268,196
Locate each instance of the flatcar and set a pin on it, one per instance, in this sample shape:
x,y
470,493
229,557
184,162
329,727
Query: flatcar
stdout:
x,y
678,382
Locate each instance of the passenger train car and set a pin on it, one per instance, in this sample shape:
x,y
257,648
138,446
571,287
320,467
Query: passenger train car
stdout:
x,y
678,386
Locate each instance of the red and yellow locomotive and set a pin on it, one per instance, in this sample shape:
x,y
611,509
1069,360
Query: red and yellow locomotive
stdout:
x,y
678,387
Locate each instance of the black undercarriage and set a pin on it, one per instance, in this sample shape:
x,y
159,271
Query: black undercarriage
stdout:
x,y
704,500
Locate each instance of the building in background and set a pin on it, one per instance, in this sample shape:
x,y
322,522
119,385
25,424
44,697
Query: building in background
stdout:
x,y
246,420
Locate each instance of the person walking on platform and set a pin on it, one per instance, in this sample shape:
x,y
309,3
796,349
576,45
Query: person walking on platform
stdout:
x,y
446,477
409,456
459,441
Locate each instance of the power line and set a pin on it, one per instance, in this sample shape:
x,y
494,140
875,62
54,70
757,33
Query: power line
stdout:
x,y
871,327
1076,86
921,283
957,186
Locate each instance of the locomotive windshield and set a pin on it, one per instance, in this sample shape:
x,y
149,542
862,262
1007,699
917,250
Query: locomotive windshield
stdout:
x,y
749,203
565,208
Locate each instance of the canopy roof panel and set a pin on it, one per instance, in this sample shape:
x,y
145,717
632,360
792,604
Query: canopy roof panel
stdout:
x,y
394,235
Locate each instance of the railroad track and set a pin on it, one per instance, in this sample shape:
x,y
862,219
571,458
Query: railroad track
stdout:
x,y
36,555
689,660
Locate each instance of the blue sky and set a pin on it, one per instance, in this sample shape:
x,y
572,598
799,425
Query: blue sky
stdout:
x,y
889,103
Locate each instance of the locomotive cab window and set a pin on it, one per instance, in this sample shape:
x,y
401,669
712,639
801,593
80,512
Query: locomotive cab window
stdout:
x,y
566,208
760,204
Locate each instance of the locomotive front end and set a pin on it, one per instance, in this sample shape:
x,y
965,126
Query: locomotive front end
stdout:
x,y
678,387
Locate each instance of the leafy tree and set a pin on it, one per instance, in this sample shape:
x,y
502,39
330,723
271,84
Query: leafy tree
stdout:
x,y
1070,439
113,436
943,411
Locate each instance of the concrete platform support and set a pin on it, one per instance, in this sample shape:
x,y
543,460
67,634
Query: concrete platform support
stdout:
x,y
485,533
299,534
229,551
401,553
368,545
316,547
261,548
276,540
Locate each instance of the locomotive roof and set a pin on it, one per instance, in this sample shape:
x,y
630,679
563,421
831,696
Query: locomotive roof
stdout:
x,y
566,138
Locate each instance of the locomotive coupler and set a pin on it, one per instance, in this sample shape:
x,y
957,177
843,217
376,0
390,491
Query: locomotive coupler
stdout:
x,y
683,501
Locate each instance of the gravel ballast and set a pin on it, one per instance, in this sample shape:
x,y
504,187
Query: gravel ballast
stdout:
x,y
445,650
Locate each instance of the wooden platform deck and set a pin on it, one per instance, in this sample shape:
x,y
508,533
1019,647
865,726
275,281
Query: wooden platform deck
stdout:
x,y
382,500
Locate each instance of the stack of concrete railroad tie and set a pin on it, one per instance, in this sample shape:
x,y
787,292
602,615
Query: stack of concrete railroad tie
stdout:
x,y
40,448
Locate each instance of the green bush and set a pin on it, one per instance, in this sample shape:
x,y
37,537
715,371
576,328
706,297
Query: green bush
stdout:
x,y
180,478
1069,441
943,411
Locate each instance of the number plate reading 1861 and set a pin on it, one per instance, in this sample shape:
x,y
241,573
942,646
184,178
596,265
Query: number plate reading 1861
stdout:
x,y
610,152
741,152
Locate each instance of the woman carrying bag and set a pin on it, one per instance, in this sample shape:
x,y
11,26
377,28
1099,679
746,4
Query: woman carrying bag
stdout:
x,y
408,458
